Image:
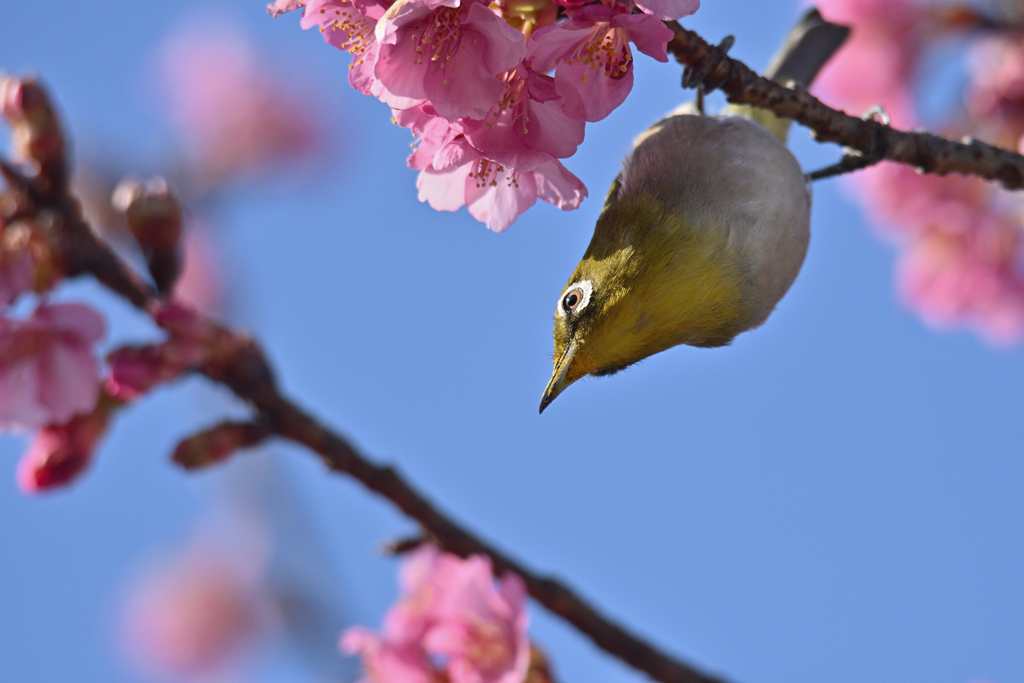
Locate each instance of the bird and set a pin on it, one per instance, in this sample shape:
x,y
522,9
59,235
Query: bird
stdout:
x,y
701,234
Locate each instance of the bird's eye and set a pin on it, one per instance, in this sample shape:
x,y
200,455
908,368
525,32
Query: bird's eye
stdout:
x,y
577,295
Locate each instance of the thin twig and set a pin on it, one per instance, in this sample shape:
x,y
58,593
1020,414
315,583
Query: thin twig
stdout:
x,y
924,151
248,375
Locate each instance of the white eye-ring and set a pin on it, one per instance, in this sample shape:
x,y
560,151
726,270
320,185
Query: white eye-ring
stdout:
x,y
575,298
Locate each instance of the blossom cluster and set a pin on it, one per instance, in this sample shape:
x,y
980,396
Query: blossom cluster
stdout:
x,y
233,119
496,95
452,624
962,250
51,378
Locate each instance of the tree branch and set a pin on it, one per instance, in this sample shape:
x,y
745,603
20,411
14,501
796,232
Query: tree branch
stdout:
x,y
924,151
247,373
249,377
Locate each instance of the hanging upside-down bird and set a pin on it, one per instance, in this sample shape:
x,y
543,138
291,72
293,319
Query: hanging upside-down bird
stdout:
x,y
701,235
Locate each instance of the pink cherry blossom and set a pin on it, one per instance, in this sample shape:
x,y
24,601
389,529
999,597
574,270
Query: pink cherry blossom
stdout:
x,y
902,201
435,136
452,623
995,98
528,123
480,630
974,277
961,260
451,53
887,42
388,661
424,574
59,453
594,62
496,194
48,368
350,26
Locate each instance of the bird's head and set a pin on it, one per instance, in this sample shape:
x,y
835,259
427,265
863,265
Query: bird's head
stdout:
x,y
647,282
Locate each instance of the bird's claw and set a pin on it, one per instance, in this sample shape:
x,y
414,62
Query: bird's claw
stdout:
x,y
697,76
854,159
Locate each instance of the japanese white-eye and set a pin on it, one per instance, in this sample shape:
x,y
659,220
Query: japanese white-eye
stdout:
x,y
701,234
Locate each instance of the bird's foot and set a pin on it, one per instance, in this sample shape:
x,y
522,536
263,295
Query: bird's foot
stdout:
x,y
854,159
697,76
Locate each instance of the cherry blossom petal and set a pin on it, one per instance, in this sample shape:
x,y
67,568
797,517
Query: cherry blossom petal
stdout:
x,y
385,661
497,196
444,190
668,10
650,35
556,185
48,368
504,46
279,7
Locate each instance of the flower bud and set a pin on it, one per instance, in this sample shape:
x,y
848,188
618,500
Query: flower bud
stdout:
x,y
154,218
188,327
134,370
59,453
36,129
217,443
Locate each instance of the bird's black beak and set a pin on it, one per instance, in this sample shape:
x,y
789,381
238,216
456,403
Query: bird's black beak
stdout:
x,y
558,382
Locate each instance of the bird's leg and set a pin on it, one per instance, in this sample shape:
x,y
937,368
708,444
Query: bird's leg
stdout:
x,y
697,76
853,159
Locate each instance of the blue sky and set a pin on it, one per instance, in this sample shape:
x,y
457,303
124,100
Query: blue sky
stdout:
x,y
836,496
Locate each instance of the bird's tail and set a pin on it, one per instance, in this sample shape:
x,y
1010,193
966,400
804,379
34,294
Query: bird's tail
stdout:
x,y
809,45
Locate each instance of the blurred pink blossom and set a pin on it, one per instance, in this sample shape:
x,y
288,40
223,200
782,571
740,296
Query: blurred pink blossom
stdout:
x,y
59,453
995,98
49,371
902,201
388,661
974,276
452,622
877,63
195,613
962,251
232,113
